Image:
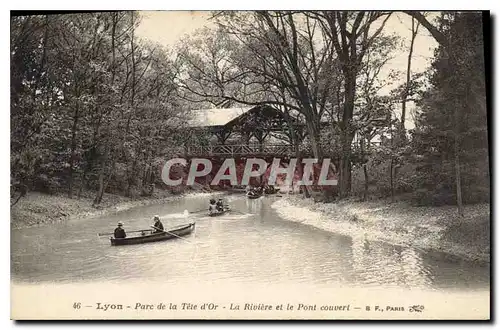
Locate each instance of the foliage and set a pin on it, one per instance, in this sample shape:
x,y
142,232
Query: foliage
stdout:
x,y
454,107
95,107
92,106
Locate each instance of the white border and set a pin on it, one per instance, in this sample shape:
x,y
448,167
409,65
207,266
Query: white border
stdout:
x,y
188,5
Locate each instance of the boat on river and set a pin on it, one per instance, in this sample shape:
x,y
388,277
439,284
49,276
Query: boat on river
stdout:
x,y
217,213
253,195
271,190
148,236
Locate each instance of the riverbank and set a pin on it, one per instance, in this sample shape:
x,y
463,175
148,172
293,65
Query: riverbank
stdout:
x,y
433,229
38,209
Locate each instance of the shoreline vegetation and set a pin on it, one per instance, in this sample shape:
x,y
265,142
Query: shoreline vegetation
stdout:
x,y
37,209
436,230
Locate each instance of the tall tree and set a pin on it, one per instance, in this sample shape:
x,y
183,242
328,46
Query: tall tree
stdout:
x,y
406,91
352,37
451,132
279,51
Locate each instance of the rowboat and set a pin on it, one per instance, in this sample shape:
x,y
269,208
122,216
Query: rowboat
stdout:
x,y
271,191
253,195
217,213
148,236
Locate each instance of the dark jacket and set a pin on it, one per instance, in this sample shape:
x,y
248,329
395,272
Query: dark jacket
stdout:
x,y
120,233
158,226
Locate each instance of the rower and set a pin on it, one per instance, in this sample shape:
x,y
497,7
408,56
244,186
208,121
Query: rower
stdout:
x,y
220,205
119,231
158,226
212,207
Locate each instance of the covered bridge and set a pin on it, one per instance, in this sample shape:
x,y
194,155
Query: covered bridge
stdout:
x,y
243,131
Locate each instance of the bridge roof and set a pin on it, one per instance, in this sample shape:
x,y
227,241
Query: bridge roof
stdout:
x,y
215,117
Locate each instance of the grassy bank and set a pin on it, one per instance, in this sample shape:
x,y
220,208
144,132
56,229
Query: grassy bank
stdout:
x,y
434,229
40,209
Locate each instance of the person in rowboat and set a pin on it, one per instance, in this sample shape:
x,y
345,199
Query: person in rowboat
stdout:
x,y
212,207
158,226
119,231
220,205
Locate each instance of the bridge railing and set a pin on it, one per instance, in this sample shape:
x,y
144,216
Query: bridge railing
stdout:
x,y
240,150
255,149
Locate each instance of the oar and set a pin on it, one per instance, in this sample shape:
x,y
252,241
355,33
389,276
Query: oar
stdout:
x,y
165,231
236,211
198,211
128,231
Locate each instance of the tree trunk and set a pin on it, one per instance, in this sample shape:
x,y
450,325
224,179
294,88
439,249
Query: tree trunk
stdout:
x,y
294,138
304,188
365,170
23,190
73,149
132,97
130,172
17,200
101,184
345,175
458,180
452,64
347,132
456,147
313,132
345,165
100,190
392,178
438,35
113,49
414,31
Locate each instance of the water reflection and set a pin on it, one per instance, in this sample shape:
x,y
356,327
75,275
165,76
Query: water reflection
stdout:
x,y
377,262
254,206
414,270
359,253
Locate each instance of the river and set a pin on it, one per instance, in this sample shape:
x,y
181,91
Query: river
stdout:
x,y
252,244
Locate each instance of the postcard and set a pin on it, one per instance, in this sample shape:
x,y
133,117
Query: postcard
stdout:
x,y
250,165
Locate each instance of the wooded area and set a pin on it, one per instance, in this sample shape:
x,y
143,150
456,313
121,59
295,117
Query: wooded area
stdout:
x,y
94,107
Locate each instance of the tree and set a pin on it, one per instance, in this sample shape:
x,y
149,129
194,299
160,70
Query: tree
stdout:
x,y
351,36
278,52
406,91
93,106
278,58
451,132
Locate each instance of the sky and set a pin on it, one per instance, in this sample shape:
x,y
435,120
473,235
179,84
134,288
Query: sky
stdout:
x,y
168,27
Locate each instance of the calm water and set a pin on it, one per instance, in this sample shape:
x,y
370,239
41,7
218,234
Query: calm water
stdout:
x,y
251,245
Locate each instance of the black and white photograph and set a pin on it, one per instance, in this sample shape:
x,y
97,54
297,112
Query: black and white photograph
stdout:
x,y
250,165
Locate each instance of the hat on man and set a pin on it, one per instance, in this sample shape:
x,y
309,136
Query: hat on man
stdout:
x,y
120,223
